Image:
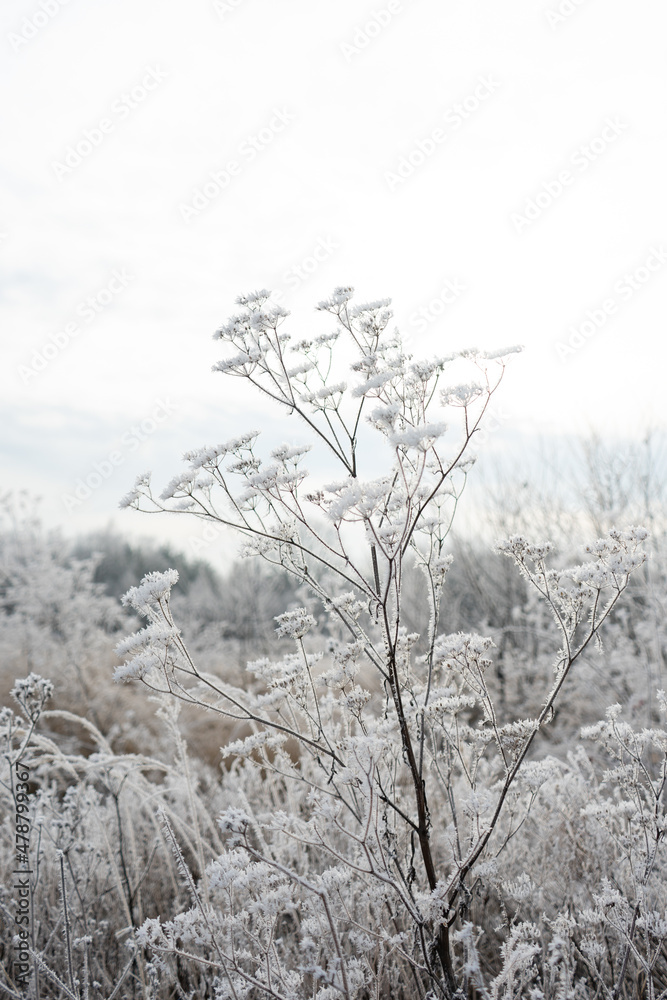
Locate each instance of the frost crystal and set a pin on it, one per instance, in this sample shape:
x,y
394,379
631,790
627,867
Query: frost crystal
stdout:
x,y
295,623
461,395
422,438
153,588
140,483
32,693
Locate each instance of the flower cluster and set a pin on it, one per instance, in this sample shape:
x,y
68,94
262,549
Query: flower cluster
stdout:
x,y
462,395
422,437
147,650
201,457
152,648
462,650
513,735
31,693
295,623
141,483
154,588
521,549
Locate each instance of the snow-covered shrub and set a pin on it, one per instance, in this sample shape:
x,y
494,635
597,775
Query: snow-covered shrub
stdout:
x,y
378,782
96,856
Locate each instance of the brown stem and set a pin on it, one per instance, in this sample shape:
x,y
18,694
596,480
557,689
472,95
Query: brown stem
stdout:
x,y
442,939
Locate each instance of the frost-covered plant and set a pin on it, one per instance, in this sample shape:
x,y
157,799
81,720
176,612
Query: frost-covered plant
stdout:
x,y
585,871
97,861
632,810
54,619
375,785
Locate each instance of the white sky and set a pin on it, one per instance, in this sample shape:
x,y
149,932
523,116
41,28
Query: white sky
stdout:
x,y
220,72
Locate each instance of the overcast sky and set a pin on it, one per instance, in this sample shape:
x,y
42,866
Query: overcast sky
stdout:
x,y
496,167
